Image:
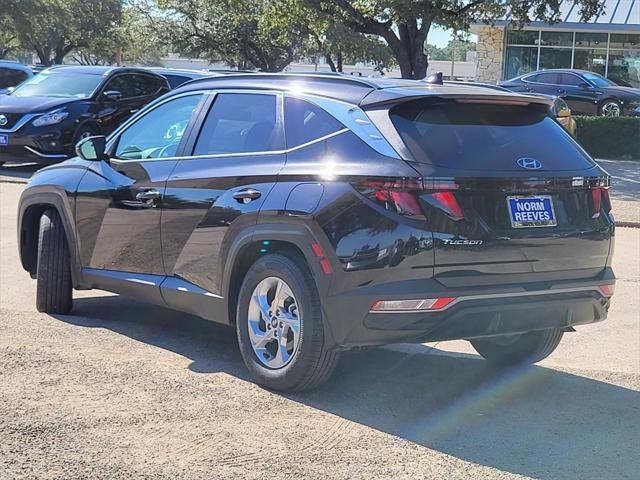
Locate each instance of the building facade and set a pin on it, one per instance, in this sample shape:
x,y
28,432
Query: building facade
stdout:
x,y
608,44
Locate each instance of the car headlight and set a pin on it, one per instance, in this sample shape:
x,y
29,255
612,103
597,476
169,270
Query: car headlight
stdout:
x,y
51,118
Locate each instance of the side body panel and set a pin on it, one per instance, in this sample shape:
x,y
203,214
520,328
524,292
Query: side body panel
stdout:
x,y
116,230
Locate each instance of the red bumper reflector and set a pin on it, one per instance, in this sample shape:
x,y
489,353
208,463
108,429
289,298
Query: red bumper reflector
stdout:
x,y
607,290
417,305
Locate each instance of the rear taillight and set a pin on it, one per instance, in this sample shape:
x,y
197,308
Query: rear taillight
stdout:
x,y
399,196
600,201
403,196
447,202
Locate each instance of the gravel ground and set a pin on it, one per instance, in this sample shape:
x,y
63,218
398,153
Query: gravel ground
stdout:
x,y
121,390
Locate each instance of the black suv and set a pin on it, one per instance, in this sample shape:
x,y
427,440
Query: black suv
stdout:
x,y
43,119
317,214
586,93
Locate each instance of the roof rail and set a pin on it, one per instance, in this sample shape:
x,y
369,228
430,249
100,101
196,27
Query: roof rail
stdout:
x,y
291,76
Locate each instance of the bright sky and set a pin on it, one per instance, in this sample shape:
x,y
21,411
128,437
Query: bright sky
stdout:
x,y
439,36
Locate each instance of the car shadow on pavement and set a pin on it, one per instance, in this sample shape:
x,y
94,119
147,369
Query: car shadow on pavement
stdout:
x,y
532,421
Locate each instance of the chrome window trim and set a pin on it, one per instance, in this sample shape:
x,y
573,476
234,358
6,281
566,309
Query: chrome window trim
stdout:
x,y
241,154
353,118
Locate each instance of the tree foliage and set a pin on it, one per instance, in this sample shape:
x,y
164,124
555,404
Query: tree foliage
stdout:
x,y
55,28
455,50
265,34
133,40
405,24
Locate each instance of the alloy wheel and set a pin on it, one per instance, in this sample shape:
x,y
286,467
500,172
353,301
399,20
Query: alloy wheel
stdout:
x,y
611,109
274,323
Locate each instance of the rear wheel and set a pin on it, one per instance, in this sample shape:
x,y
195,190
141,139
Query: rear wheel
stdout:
x,y
610,108
280,328
54,288
523,348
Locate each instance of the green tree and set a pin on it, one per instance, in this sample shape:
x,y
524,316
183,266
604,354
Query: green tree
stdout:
x,y
405,24
55,28
339,45
265,34
133,40
455,50
8,36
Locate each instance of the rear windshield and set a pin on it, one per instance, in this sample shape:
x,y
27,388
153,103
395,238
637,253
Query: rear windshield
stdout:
x,y
484,136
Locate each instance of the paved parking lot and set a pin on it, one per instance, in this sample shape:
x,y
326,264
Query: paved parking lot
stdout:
x,y
121,389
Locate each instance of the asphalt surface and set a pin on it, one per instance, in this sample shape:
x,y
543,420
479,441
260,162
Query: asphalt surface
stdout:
x,y
121,390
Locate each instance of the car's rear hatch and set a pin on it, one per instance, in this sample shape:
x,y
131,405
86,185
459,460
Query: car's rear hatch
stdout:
x,y
509,195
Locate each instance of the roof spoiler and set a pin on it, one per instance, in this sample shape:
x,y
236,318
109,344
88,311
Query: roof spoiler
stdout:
x,y
477,96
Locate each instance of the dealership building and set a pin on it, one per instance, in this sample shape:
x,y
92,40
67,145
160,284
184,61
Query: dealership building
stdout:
x,y
608,44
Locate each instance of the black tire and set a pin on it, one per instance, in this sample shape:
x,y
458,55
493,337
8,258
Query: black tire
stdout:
x,y
524,348
54,287
312,363
83,132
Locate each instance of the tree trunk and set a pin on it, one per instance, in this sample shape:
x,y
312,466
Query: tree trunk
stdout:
x,y
340,60
330,62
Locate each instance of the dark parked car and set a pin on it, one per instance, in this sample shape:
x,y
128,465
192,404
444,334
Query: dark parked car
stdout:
x,y
12,74
559,108
586,93
43,119
363,212
177,76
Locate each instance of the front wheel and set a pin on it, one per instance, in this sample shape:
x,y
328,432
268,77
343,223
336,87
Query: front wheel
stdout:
x,y
54,286
279,325
522,348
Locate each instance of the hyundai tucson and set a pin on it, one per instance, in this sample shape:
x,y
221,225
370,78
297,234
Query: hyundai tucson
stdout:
x,y
316,214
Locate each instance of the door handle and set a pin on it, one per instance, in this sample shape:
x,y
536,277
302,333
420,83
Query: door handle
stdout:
x,y
247,195
562,90
148,195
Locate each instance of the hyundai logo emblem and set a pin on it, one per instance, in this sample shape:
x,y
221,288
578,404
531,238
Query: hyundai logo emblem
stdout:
x,y
3,120
529,163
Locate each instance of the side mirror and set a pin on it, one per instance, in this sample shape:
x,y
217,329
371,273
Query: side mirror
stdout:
x,y
10,89
92,148
584,85
112,95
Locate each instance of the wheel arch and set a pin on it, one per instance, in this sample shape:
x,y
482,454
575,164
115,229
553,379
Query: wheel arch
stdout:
x,y
293,240
31,208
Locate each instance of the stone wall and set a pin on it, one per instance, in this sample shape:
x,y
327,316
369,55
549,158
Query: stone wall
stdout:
x,y
490,53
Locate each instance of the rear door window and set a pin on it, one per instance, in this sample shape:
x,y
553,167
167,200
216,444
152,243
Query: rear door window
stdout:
x,y
484,136
241,123
305,122
550,77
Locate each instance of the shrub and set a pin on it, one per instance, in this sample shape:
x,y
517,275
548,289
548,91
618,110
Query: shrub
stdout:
x,y
610,137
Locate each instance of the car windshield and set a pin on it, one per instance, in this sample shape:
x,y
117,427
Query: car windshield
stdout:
x,y
59,84
599,80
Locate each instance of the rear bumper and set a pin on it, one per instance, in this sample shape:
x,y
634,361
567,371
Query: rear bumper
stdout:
x,y
513,309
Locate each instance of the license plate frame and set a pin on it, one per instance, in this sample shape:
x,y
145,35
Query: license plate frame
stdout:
x,y
537,211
